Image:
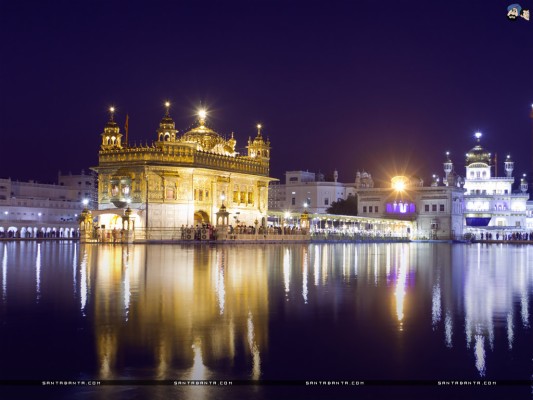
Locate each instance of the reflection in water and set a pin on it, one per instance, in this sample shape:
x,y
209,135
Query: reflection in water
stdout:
x,y
83,282
199,312
401,281
304,275
4,273
38,273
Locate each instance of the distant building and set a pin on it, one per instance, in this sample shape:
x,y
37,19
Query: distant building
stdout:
x,y
304,190
31,209
436,212
181,179
490,203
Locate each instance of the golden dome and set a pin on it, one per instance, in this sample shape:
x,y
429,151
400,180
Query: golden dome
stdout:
x,y
208,140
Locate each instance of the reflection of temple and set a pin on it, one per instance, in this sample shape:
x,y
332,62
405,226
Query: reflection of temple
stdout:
x,y
495,287
182,179
181,309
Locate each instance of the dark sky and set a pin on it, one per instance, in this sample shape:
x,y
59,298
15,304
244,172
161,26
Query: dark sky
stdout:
x,y
385,86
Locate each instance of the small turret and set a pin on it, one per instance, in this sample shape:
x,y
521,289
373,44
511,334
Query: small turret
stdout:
x,y
335,176
523,184
167,128
509,166
448,168
111,137
258,148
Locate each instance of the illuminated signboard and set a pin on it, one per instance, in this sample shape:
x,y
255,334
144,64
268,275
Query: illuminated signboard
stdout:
x,y
400,208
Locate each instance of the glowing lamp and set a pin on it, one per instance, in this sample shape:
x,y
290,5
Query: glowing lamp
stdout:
x,y
167,104
85,202
399,186
478,135
202,113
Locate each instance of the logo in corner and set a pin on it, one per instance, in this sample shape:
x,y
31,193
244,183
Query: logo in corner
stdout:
x,y
514,11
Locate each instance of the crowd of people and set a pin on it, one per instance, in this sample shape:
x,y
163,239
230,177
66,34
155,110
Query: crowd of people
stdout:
x,y
505,236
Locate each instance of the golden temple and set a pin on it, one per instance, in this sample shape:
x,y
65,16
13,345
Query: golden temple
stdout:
x,y
181,179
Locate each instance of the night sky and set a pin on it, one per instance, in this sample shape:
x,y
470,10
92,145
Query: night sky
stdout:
x,y
384,86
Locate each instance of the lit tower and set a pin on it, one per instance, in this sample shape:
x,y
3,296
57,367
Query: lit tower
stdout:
x,y
523,184
111,137
509,166
448,168
258,148
167,128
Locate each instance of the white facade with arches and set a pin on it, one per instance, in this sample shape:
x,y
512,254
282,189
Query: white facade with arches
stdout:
x,y
36,210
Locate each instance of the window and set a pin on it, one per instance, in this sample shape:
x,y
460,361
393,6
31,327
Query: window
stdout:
x,y
364,209
433,207
376,209
326,201
426,208
441,208
293,201
477,174
293,179
517,224
369,209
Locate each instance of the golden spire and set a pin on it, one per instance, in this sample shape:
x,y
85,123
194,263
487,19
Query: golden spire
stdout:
x,y
202,114
167,106
259,126
112,113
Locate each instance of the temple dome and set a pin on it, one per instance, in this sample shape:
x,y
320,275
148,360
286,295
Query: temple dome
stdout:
x,y
478,154
208,140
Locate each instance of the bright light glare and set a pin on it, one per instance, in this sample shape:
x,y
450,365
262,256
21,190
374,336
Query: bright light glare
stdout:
x,y
85,202
399,186
202,113
478,135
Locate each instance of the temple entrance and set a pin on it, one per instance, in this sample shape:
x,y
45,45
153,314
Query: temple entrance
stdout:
x,y
201,217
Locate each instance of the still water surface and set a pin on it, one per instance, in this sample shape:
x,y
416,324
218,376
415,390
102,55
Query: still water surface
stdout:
x,y
318,312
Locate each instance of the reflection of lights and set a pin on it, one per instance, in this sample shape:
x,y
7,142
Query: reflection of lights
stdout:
x,y
436,306
479,352
127,290
220,289
286,270
304,276
399,293
38,272
4,273
524,309
448,329
198,370
74,268
256,357
83,282
510,330
317,264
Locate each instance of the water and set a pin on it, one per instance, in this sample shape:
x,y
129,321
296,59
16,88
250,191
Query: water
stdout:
x,y
413,314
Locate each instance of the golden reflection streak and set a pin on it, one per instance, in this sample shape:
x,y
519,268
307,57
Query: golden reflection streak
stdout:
x,y
256,357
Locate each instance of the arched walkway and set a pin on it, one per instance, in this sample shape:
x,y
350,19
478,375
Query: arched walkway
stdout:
x,y
201,217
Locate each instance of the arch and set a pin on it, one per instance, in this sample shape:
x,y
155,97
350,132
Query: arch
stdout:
x,y
201,217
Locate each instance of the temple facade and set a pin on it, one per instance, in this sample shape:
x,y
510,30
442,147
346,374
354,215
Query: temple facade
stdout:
x,y
181,179
490,202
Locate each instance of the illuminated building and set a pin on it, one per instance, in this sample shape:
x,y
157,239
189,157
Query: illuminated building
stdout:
x,y
304,190
436,212
32,209
181,179
489,200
